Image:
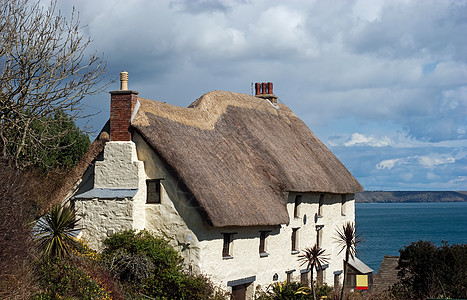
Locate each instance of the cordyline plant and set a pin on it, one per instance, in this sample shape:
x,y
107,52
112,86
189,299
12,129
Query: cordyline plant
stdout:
x,y
56,231
348,240
314,257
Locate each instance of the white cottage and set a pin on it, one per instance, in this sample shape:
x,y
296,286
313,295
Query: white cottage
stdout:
x,y
237,182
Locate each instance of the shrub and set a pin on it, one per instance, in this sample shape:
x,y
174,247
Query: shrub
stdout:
x,y
63,279
428,271
148,265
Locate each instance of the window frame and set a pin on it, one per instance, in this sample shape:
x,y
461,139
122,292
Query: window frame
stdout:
x,y
157,182
294,241
320,205
297,202
227,238
262,243
343,204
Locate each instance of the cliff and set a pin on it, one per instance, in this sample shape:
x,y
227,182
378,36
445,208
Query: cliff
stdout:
x,y
410,196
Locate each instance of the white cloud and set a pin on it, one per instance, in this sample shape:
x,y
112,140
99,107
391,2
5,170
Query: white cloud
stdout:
x,y
388,164
358,139
435,160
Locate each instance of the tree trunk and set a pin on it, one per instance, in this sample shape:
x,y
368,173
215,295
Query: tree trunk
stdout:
x,y
345,272
312,284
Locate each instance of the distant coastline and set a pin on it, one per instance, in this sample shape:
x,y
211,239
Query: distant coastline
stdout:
x,y
410,196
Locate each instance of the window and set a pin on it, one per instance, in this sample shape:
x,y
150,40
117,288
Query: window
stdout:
x,y
226,249
304,277
153,191
296,209
337,279
289,275
262,243
343,204
319,235
294,240
320,205
320,276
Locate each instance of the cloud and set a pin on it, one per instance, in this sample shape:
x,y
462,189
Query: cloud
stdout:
x,y
379,81
427,161
358,139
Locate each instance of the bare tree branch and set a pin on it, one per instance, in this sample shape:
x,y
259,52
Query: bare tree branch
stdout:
x,y
44,69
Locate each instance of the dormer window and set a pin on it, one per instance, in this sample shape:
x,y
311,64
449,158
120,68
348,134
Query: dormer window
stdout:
x,y
296,209
153,191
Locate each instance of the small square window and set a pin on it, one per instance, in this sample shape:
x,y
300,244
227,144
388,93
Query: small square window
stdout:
x,y
153,191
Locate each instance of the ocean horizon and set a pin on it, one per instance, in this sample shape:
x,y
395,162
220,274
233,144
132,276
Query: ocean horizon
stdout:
x,y
388,227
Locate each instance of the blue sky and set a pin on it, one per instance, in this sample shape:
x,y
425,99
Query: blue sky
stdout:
x,y
382,83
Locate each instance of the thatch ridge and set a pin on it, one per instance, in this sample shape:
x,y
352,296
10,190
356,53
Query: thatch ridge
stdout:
x,y
239,156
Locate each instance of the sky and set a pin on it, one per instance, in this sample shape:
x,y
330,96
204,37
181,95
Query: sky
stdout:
x,y
382,83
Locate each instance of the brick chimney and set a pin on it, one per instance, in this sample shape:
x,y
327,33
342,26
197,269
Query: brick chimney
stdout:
x,y
264,90
122,105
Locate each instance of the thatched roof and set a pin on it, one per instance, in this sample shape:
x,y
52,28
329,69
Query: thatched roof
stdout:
x,y
238,155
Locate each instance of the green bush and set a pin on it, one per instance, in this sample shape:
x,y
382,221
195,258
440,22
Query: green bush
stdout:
x,y
148,265
63,279
428,271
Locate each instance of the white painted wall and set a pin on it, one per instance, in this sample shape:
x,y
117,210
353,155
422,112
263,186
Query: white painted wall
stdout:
x,y
120,169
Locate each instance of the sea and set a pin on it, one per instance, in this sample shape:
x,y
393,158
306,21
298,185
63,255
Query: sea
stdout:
x,y
388,227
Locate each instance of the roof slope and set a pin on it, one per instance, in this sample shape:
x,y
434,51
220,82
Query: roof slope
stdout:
x,y
239,156
387,274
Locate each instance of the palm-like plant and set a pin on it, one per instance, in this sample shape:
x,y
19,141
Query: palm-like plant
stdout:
x,y
348,240
314,257
56,230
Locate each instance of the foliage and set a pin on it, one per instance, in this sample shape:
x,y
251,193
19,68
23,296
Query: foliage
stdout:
x,y
291,290
44,69
149,266
56,231
63,279
314,257
428,271
63,149
348,240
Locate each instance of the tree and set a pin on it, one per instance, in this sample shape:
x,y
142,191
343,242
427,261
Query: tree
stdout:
x,y
314,258
56,231
44,69
348,240
428,271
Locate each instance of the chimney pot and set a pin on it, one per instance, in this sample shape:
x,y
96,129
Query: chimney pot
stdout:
x,y
263,88
258,88
123,81
270,88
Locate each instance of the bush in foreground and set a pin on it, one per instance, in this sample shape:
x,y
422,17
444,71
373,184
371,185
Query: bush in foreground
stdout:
x,y
149,266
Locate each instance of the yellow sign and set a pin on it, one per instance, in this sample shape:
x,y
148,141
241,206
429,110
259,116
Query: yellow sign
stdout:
x,y
362,283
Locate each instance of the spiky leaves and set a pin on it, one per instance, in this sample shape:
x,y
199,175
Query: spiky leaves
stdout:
x,y
348,238
56,231
314,257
